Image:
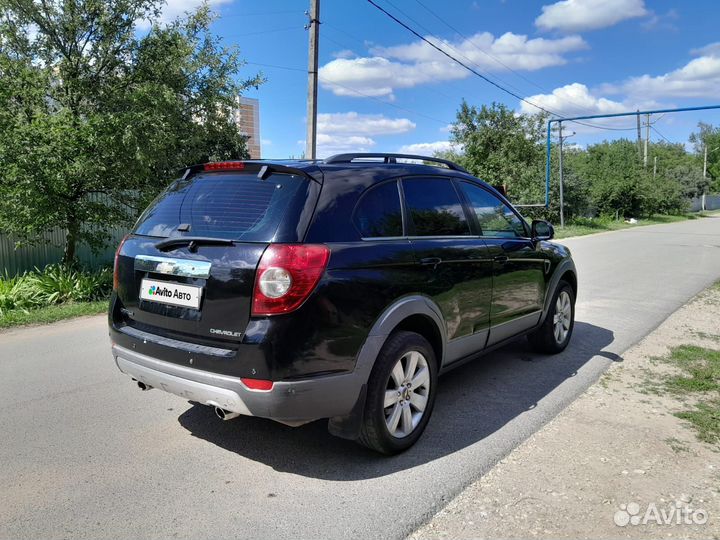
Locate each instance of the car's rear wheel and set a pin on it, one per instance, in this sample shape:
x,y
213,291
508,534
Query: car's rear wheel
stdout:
x,y
401,394
555,332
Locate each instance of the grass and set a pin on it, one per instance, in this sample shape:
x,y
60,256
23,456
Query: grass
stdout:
x,y
698,375
585,226
54,313
706,420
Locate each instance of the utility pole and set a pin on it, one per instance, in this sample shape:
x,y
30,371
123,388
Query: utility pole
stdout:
x,y
654,168
562,202
640,152
313,27
647,139
705,163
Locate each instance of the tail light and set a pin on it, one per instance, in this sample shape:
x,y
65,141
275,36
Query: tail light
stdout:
x,y
115,264
287,274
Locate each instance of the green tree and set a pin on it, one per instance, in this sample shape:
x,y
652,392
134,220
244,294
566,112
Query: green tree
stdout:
x,y
614,175
502,147
708,138
96,116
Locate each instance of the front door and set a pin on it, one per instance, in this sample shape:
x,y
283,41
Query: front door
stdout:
x,y
518,266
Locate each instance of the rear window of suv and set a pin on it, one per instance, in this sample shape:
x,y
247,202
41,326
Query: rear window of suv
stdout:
x,y
225,205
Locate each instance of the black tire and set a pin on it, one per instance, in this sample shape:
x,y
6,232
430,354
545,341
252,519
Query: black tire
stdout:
x,y
374,432
543,339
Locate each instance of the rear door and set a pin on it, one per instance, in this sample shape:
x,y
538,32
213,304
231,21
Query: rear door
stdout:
x,y
188,269
518,267
455,268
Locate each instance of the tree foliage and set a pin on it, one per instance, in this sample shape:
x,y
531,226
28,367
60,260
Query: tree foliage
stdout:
x,y
95,115
708,138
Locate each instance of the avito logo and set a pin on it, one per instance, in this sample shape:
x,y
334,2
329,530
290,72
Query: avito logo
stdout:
x,y
157,291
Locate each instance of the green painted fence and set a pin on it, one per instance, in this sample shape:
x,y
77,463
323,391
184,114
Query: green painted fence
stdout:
x,y
50,250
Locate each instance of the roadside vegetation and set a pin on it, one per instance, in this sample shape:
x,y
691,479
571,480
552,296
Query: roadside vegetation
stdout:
x,y
695,375
584,226
699,378
52,294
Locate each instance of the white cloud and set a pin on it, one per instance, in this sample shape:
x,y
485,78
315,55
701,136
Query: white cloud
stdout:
x,y
345,53
362,124
177,8
266,142
428,148
579,15
406,66
573,100
354,132
711,49
699,78
577,100
327,145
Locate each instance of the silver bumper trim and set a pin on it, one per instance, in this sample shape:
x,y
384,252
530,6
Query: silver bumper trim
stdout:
x,y
190,390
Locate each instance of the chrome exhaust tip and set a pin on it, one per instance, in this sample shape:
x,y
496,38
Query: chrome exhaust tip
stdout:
x,y
222,414
144,387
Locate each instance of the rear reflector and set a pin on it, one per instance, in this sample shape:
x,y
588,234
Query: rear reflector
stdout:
x,y
116,278
286,275
257,384
224,166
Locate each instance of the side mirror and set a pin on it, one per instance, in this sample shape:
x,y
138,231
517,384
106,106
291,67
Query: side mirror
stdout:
x,y
542,230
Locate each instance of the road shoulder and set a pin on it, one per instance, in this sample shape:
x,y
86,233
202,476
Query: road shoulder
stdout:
x,y
615,456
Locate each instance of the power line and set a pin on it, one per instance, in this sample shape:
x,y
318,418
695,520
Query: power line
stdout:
x,y
661,135
478,74
261,32
276,66
500,62
350,89
451,57
494,58
452,47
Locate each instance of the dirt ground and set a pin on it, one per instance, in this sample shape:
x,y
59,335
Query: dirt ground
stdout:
x,y
614,464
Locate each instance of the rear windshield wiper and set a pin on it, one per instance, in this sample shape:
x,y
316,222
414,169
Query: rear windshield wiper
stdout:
x,y
193,242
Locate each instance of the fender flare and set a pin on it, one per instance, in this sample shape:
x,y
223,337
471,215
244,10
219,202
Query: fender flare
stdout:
x,y
560,270
348,427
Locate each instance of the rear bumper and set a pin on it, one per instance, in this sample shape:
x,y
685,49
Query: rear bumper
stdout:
x,y
290,402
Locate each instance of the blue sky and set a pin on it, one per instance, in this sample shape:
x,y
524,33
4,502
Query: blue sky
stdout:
x,y
382,89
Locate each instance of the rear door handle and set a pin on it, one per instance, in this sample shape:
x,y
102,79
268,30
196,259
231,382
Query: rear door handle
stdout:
x,y
500,259
434,261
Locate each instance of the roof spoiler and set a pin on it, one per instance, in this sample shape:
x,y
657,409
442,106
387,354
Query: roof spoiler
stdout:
x,y
263,169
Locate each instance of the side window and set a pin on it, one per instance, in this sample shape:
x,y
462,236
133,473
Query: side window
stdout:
x,y
494,216
435,207
378,212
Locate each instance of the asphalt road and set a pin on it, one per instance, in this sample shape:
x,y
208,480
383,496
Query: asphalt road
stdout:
x,y
85,454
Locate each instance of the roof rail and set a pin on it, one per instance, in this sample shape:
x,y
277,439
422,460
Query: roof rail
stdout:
x,y
391,158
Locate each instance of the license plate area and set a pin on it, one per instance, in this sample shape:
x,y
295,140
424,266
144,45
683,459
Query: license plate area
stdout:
x,y
170,293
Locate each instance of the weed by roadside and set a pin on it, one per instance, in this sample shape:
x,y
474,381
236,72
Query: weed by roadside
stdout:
x,y
696,375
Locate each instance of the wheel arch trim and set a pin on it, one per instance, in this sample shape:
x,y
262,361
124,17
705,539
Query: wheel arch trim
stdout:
x,y
565,266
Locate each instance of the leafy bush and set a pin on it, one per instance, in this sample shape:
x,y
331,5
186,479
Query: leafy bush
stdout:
x,y
17,293
58,284
54,285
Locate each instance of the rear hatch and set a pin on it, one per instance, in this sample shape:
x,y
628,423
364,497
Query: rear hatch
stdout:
x,y
187,271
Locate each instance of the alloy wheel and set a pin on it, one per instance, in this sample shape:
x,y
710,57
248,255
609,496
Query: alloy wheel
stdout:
x,y
406,394
562,317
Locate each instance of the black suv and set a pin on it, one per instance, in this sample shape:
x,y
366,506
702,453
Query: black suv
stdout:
x,y
339,289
